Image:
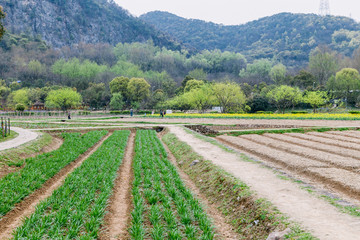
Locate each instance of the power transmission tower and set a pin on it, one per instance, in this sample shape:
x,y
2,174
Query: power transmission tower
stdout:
x,y
324,7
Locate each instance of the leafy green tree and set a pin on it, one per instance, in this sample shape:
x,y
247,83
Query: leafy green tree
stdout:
x,y
259,70
229,96
116,102
193,84
322,64
278,74
95,95
119,85
19,97
346,84
63,99
316,99
2,16
200,98
138,89
4,93
198,74
284,97
303,80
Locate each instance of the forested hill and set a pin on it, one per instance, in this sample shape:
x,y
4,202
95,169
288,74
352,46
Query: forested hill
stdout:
x,y
67,22
291,37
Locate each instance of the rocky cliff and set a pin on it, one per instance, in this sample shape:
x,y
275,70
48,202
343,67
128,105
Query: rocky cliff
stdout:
x,y
67,22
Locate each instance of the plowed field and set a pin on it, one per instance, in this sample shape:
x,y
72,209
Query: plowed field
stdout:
x,y
331,159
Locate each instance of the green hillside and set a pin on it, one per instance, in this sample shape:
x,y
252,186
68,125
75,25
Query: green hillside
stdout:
x,y
289,37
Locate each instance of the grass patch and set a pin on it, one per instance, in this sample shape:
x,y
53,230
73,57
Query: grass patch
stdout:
x,y
12,135
16,156
252,218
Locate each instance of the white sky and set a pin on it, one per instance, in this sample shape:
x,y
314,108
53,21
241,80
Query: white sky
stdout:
x,y
233,12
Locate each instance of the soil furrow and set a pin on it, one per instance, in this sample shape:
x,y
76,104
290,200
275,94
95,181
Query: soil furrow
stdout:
x,y
336,137
324,157
353,135
14,218
326,141
284,160
222,228
262,154
315,146
118,217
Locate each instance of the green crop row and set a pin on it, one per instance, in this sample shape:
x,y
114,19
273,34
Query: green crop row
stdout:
x,y
16,186
76,209
163,207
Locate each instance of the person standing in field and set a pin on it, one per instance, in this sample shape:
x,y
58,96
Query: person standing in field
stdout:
x,y
131,112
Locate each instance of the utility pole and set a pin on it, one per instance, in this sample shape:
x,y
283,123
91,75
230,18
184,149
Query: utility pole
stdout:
x,y
324,9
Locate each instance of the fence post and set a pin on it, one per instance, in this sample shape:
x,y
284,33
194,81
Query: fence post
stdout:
x,y
5,128
2,127
9,125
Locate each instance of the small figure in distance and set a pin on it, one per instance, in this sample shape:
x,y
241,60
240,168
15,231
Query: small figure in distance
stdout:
x,y
131,112
69,117
161,113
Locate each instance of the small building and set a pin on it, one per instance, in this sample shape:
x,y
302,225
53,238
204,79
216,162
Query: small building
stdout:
x,y
38,106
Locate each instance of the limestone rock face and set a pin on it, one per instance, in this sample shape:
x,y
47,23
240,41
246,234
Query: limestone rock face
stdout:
x,y
68,22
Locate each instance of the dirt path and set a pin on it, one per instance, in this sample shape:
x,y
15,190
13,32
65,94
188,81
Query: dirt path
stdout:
x,y
118,218
24,136
14,218
315,215
223,229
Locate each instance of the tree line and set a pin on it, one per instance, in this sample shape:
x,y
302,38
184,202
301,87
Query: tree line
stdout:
x,y
161,77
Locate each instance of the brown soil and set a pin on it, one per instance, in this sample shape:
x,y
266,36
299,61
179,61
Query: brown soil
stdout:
x,y
327,158
118,217
316,146
284,155
55,144
223,229
339,136
315,215
14,218
324,140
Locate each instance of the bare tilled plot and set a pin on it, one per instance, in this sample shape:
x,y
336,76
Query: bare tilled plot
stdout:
x,y
269,154
339,137
340,179
316,146
352,134
323,140
307,155
327,158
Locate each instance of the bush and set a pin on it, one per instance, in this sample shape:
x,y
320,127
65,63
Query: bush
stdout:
x,y
299,112
354,112
20,107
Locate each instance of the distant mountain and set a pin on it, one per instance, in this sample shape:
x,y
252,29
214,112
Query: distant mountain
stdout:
x,y
289,37
67,22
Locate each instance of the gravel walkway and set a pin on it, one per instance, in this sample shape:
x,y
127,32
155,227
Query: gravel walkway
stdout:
x,y
24,136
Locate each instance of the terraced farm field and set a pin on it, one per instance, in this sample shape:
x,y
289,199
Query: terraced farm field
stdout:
x,y
330,158
135,183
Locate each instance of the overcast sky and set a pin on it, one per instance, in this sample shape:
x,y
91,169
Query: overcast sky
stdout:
x,y
231,12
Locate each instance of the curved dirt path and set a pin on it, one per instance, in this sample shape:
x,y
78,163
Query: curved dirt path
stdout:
x,y
24,136
14,218
315,215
